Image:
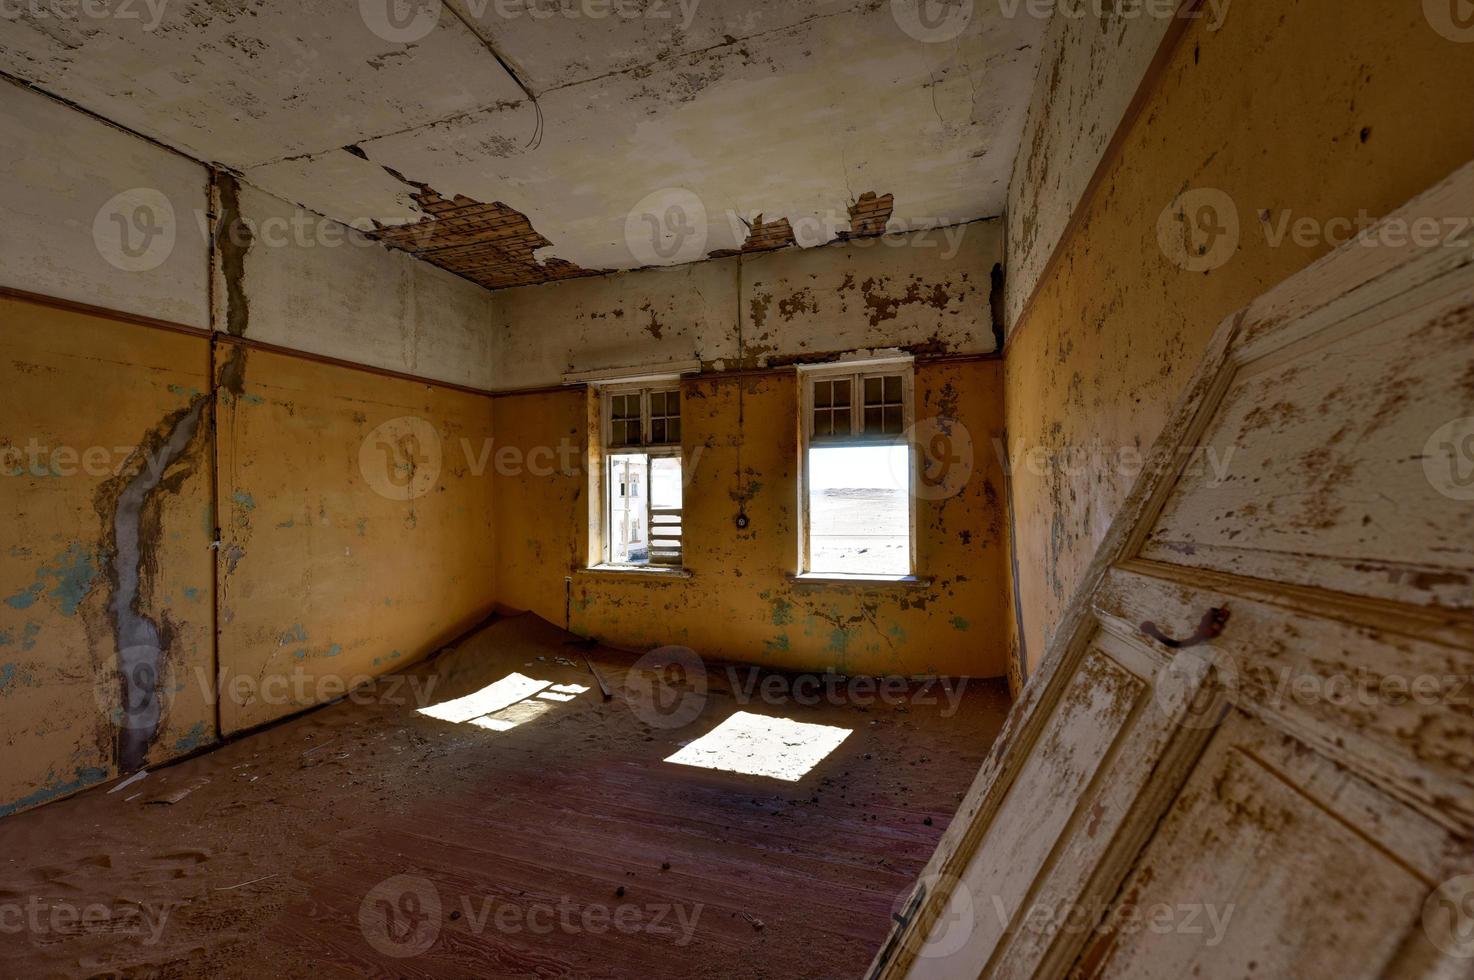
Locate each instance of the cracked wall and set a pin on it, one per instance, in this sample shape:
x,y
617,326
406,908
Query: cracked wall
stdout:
x,y
740,444
287,277
106,613
1281,114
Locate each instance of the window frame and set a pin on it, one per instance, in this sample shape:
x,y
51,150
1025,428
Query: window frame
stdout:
x,y
857,372
606,395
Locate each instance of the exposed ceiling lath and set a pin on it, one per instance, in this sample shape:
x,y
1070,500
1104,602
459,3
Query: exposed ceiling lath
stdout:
x,y
490,244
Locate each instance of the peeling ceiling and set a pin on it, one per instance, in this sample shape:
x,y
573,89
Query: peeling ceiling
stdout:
x,y
525,140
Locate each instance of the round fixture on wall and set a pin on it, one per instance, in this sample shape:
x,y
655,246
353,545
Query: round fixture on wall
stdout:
x,y
742,520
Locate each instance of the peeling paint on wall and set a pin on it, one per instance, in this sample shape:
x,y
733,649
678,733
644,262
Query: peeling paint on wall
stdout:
x,y
1118,328
926,292
140,642
739,603
105,660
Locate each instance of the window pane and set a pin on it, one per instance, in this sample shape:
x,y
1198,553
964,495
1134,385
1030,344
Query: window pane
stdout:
x,y
666,525
657,431
842,421
657,403
842,392
873,420
627,509
859,515
893,388
822,423
872,390
893,419
673,430
823,394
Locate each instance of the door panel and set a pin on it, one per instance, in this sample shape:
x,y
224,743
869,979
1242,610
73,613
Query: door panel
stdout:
x,y
1258,710
1385,693
1312,470
1041,802
1272,862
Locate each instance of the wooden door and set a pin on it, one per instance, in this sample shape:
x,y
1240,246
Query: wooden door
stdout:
x,y
1250,752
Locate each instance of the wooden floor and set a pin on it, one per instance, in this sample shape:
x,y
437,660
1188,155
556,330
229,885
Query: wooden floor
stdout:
x,y
366,839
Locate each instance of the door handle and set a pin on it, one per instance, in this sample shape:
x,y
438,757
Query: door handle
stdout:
x,y
1208,627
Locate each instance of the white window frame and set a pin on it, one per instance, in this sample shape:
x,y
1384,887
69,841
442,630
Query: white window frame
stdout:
x,y
606,394
857,371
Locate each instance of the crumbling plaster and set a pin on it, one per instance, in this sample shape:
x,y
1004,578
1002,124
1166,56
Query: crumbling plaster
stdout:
x,y
1089,70
927,292
739,108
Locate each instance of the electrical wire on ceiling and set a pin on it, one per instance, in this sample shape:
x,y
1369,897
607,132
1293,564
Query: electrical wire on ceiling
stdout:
x,y
537,129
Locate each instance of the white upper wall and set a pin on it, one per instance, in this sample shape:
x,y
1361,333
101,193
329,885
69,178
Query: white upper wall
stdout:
x,y
314,285
1092,63
97,215
928,292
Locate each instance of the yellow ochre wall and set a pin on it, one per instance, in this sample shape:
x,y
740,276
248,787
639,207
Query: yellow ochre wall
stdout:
x,y
1299,108
738,603
323,581
83,402
346,552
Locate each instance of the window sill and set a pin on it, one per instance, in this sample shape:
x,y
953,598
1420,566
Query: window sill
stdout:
x,y
868,581
636,571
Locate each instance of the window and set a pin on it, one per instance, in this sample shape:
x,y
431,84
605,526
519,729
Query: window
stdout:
x,y
856,490
642,480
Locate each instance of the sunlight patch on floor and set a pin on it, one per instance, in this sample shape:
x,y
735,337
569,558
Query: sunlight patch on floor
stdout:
x,y
505,704
757,745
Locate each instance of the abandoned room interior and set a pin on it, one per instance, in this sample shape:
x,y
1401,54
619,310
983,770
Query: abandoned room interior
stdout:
x,y
737,488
